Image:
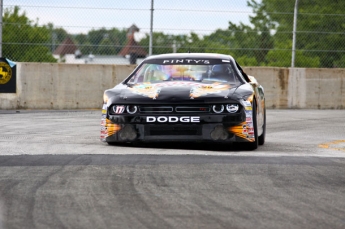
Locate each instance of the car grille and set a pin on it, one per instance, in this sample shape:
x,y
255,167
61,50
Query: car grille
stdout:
x,y
175,109
173,130
156,109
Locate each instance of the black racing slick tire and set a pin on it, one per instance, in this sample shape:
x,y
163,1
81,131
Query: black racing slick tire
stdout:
x,y
263,135
254,145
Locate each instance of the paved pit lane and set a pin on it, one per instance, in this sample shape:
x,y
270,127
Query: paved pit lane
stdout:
x,y
55,173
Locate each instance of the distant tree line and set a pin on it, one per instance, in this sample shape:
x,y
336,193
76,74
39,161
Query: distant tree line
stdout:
x,y
266,41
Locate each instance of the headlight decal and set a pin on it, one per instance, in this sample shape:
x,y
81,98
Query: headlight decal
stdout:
x,y
232,108
118,109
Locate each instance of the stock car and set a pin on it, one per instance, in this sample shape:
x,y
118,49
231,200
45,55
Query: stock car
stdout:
x,y
197,97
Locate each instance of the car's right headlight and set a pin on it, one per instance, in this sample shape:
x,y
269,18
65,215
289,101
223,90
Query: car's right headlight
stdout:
x,y
123,109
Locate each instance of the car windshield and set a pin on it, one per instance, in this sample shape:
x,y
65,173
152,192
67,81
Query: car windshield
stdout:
x,y
154,73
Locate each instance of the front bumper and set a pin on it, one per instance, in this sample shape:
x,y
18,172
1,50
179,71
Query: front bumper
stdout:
x,y
214,128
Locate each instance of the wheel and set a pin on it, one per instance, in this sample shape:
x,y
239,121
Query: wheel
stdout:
x,y
254,145
263,135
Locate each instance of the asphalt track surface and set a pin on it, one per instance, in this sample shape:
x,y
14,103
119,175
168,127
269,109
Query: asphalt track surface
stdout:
x,y
55,173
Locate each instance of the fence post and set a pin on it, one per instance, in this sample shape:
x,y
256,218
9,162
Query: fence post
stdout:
x,y
1,28
294,35
151,33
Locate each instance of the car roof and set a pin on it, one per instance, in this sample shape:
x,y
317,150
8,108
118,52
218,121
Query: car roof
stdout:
x,y
191,55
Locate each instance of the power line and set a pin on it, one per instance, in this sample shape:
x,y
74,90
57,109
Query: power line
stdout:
x,y
171,9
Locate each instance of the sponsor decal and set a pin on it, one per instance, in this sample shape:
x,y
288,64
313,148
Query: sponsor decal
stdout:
x,y
104,106
250,131
249,119
104,134
247,104
185,61
104,111
249,113
171,119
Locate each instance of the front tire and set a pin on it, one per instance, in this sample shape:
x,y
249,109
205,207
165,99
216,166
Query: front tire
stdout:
x,y
263,135
254,145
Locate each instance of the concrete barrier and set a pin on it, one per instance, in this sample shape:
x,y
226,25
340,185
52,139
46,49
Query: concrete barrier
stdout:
x,y
81,86
63,86
302,88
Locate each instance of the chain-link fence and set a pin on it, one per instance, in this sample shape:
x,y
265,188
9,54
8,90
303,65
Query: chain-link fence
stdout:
x,y
255,32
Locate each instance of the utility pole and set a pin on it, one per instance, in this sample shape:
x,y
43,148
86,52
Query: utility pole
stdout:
x,y
294,35
0,28
151,27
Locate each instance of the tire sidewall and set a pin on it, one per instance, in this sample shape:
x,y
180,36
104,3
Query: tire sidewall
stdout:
x,y
254,145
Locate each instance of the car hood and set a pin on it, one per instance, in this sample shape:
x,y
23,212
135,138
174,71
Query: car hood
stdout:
x,y
171,91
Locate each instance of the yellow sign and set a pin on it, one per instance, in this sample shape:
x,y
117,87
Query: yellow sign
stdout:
x,y
5,73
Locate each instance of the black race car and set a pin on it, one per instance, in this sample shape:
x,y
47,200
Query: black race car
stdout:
x,y
186,97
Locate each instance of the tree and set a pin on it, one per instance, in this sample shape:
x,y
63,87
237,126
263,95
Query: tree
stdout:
x,y
263,26
248,43
102,41
83,43
118,38
23,40
320,27
162,43
280,56
106,47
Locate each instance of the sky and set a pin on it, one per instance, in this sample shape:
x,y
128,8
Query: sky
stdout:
x,y
170,17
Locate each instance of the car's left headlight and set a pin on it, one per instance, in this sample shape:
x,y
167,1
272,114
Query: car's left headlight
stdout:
x,y
218,108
